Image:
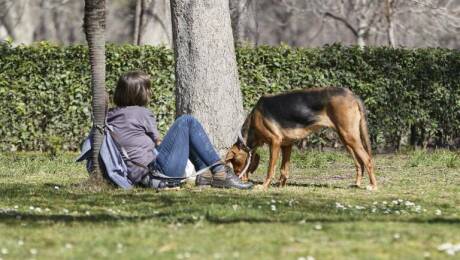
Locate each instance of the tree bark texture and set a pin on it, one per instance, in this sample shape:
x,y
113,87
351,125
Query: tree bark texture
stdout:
x,y
137,22
94,26
390,24
207,84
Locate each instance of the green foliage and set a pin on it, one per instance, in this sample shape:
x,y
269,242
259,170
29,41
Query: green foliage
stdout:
x,y
45,89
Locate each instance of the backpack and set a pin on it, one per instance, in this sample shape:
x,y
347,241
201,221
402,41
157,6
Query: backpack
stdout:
x,y
113,158
114,166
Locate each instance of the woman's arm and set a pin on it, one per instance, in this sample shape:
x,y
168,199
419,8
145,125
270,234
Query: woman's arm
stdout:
x,y
151,129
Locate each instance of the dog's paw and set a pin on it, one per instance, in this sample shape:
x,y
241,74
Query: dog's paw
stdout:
x,y
259,187
371,188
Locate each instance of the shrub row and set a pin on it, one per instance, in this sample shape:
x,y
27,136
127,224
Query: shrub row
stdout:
x,y
410,94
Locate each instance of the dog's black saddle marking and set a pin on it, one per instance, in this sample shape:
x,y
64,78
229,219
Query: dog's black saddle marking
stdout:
x,y
297,109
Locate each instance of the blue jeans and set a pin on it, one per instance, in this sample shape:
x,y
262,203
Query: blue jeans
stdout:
x,y
186,139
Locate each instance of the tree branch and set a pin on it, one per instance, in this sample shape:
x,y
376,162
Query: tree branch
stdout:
x,y
342,20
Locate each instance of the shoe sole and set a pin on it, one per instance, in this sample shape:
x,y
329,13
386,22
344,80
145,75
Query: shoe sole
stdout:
x,y
223,186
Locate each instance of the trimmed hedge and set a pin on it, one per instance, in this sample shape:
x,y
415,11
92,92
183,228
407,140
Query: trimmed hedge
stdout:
x,y
45,89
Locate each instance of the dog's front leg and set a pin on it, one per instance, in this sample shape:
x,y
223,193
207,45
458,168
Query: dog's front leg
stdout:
x,y
286,156
274,154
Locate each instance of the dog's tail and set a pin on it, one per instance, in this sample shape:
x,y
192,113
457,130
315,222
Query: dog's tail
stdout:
x,y
363,129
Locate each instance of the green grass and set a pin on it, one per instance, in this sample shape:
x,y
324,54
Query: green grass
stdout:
x,y
45,213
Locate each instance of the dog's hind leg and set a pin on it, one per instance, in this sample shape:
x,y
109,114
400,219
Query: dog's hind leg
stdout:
x,y
346,140
274,155
368,164
286,156
362,158
359,166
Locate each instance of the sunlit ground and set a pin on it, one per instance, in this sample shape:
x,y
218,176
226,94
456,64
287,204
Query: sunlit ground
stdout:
x,y
46,214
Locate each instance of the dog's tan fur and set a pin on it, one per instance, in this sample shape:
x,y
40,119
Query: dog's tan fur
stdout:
x,y
344,113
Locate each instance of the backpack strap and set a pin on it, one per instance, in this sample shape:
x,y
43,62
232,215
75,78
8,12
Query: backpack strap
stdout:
x,y
123,152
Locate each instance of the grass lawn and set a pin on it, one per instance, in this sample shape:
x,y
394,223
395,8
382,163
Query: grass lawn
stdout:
x,y
46,214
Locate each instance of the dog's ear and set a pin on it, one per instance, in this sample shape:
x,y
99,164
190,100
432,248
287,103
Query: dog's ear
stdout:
x,y
230,155
254,163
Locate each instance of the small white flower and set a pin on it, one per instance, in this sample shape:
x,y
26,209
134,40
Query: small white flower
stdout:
x,y
47,210
56,187
16,206
318,227
374,210
375,203
395,202
396,236
38,209
306,258
65,211
449,248
360,207
33,251
426,254
273,207
4,251
68,246
119,246
87,212
438,212
235,206
444,246
450,251
339,206
273,201
20,242
409,203
384,202
31,207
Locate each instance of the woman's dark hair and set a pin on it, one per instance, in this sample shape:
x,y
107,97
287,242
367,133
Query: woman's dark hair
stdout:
x,y
133,89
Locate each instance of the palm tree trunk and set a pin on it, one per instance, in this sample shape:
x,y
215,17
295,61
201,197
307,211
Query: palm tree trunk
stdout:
x,y
94,26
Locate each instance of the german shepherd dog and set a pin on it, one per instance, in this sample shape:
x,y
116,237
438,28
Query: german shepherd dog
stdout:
x,y
282,120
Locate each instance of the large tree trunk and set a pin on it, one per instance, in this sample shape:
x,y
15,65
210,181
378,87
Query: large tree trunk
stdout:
x,y
94,25
207,84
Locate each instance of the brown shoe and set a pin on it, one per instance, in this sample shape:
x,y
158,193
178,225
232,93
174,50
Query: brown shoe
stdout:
x,y
228,179
204,179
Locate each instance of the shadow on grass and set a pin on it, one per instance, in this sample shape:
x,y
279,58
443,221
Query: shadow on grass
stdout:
x,y
186,206
305,185
16,218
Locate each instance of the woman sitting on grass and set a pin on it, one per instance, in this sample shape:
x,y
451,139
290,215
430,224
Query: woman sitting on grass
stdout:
x,y
137,132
